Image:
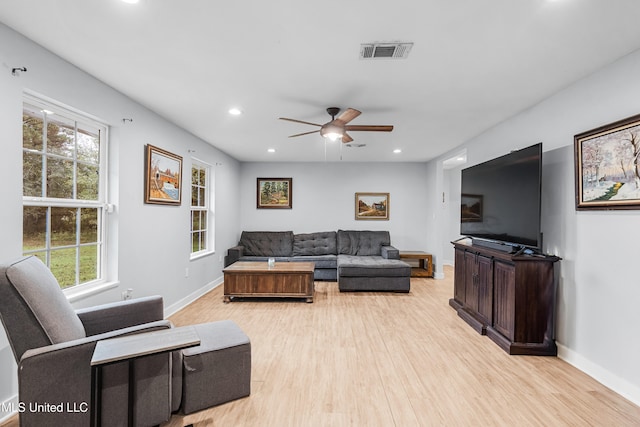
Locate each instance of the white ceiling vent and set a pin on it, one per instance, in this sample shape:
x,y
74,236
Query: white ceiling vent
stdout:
x,y
385,50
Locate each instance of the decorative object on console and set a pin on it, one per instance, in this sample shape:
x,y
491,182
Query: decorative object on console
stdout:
x,y
274,193
607,166
372,206
162,177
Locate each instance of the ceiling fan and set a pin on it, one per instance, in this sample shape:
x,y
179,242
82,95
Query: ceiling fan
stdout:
x,y
338,126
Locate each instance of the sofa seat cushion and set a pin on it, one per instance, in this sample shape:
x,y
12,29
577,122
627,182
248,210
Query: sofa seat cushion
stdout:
x,y
371,266
321,261
267,243
322,243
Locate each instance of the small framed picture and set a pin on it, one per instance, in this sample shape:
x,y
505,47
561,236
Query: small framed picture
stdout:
x,y
274,193
607,166
372,206
162,177
471,208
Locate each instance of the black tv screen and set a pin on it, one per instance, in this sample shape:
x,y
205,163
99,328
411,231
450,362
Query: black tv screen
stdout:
x,y
500,200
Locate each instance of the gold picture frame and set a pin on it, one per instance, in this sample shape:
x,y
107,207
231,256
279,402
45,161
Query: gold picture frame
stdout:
x,y
607,166
162,177
274,193
372,206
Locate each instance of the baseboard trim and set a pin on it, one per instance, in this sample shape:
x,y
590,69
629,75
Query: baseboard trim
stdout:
x,y
619,385
179,305
440,274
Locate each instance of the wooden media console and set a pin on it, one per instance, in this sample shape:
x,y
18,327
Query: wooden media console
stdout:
x,y
508,297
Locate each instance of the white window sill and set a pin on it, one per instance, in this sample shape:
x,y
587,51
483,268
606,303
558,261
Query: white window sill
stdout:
x,y
88,290
201,255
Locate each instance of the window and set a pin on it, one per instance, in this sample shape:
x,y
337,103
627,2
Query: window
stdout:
x,y
201,223
63,191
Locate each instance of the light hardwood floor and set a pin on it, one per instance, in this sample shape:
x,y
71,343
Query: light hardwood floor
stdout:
x,y
380,359
385,359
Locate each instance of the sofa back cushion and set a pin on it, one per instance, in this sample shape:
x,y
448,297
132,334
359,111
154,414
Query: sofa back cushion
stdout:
x,y
267,243
322,243
367,243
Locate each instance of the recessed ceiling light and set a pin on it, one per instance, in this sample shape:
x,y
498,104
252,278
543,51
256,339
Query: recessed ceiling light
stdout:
x,y
131,1
397,150
271,150
235,111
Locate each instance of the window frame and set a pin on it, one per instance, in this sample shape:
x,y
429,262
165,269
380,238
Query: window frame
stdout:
x,y
103,208
208,208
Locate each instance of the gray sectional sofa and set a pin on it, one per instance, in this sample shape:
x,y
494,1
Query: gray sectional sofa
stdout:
x,y
358,260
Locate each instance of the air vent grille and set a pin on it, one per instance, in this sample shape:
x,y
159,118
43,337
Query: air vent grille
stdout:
x,y
385,50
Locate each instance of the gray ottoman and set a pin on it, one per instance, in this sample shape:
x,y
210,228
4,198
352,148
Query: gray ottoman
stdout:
x,y
373,273
219,369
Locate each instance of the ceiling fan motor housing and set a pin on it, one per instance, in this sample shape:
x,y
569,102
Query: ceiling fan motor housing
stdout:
x,y
333,111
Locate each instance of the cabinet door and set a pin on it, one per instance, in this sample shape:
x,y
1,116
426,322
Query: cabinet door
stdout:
x,y
484,284
470,282
459,278
504,302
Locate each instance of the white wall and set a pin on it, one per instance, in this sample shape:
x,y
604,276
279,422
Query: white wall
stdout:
x,y
150,243
597,315
324,199
598,292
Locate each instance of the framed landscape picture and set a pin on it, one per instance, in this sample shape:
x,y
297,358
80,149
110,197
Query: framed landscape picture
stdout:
x,y
162,177
372,206
607,166
274,193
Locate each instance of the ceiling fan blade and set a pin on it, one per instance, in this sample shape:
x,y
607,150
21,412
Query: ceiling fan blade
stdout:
x,y
305,133
370,128
299,121
346,138
347,115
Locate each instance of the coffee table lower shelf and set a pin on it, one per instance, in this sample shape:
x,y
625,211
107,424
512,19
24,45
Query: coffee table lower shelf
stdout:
x,y
257,279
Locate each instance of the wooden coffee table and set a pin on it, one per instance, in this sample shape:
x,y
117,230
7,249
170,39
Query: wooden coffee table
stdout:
x,y
257,279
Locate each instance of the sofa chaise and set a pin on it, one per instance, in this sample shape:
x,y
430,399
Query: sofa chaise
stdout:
x,y
358,260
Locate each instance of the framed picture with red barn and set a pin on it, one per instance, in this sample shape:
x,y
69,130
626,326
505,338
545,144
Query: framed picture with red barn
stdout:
x,y
162,177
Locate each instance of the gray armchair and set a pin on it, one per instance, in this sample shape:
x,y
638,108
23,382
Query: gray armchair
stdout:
x,y
53,346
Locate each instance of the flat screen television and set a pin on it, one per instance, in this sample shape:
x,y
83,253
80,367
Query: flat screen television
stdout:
x,y
500,201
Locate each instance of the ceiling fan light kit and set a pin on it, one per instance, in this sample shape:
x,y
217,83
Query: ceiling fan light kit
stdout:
x,y
332,132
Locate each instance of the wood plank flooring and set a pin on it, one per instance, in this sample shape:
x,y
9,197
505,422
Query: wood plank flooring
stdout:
x,y
385,359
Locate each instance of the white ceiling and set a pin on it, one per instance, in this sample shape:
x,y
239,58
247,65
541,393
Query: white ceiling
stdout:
x,y
473,64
